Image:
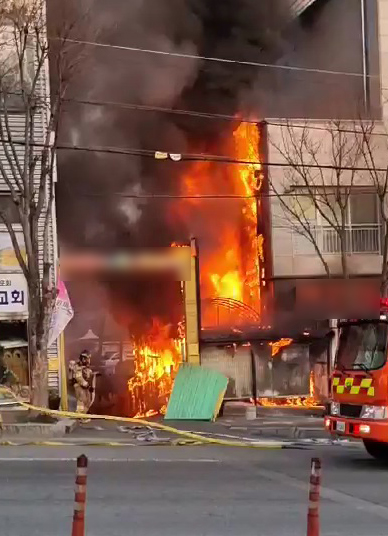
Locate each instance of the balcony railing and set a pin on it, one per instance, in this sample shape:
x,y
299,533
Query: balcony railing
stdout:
x,y
358,239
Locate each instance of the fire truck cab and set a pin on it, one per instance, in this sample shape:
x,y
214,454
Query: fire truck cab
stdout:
x,y
359,385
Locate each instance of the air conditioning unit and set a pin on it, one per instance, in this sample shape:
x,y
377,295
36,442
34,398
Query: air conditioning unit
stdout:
x,y
299,6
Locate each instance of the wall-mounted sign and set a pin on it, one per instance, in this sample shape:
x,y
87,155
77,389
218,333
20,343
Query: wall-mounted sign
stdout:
x,y
338,298
13,295
8,260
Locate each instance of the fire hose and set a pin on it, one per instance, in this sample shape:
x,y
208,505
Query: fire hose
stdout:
x,y
193,437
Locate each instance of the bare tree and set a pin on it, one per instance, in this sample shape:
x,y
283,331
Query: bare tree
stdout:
x,y
375,158
320,175
27,161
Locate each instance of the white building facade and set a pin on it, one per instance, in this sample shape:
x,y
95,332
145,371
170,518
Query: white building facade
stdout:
x,y
294,258
14,311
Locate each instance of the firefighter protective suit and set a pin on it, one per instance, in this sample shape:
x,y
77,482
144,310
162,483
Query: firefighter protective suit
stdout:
x,y
83,384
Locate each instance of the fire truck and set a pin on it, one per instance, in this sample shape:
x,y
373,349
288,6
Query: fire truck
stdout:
x,y
359,384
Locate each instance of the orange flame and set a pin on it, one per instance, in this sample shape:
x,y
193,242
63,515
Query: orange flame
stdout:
x,y
278,345
232,270
310,401
156,363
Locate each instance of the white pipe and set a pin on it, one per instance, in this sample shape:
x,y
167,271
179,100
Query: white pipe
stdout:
x,y
364,55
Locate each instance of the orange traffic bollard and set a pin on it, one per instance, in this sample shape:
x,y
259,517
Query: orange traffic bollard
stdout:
x,y
80,497
313,528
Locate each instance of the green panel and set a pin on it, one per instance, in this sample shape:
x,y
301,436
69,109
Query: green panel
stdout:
x,y
196,394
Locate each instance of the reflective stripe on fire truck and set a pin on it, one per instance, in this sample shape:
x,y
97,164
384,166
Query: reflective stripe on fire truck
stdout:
x,y
365,384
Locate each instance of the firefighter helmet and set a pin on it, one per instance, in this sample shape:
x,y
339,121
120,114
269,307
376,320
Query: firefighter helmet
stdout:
x,y
85,357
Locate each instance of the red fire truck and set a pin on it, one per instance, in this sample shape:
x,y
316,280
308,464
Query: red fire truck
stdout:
x,y
359,385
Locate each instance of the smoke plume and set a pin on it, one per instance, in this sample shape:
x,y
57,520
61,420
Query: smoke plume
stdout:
x,y
89,182
96,203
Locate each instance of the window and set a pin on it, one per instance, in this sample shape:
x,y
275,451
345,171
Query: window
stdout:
x,y
363,208
362,222
9,67
8,207
362,346
304,207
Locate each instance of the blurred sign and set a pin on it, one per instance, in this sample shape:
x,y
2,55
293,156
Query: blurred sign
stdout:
x,y
338,298
53,364
13,295
8,260
174,261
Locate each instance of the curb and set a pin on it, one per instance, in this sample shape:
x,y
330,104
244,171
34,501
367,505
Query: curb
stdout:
x,y
296,432
269,445
59,429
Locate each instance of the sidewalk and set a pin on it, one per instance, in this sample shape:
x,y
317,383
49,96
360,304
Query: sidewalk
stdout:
x,y
16,423
271,422
279,424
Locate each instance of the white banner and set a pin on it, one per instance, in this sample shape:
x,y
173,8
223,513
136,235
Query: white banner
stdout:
x,y
62,314
13,295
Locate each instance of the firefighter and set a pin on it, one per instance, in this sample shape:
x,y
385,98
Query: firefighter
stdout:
x,y
83,382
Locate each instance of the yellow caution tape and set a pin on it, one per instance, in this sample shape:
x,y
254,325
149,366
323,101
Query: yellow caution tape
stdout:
x,y
197,439
64,444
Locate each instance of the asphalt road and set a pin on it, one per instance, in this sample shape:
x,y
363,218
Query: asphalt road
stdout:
x,y
187,491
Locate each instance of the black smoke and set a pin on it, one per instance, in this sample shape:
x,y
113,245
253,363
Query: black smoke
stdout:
x,y
247,30
94,188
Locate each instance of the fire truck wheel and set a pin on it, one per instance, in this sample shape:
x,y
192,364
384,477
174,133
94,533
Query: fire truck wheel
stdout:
x,y
377,449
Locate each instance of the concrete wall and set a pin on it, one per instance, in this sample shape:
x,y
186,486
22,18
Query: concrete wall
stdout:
x,y
294,255
383,43
327,37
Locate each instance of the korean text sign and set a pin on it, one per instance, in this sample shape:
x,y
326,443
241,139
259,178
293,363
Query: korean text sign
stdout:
x,y
13,294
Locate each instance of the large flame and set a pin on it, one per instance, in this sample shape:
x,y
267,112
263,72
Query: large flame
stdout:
x,y
157,358
232,270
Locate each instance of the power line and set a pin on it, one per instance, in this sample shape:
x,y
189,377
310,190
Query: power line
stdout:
x,y
211,197
176,111
223,117
192,157
220,60
188,157
326,129
208,115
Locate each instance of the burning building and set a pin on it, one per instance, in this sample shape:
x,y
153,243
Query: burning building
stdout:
x,y
130,105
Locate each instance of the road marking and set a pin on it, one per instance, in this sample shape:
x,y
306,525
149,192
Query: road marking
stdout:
x,y
328,493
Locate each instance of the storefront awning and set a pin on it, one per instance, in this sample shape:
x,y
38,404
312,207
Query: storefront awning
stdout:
x,y
13,343
89,336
